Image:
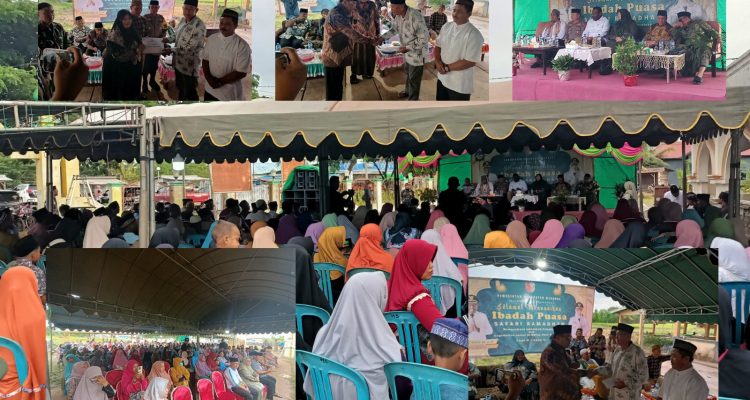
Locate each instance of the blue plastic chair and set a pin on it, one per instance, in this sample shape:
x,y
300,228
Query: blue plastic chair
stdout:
x,y
209,238
321,368
740,292
196,239
3,267
324,278
425,379
433,285
22,364
457,261
355,271
304,310
408,336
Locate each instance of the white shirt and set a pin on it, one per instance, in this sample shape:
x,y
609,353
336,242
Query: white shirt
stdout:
x,y
459,42
678,199
520,185
225,55
597,28
580,322
549,31
683,385
482,324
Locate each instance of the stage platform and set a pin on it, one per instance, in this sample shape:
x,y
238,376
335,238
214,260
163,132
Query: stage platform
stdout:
x,y
531,84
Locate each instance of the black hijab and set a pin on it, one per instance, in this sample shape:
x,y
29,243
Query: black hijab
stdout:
x,y
129,36
634,236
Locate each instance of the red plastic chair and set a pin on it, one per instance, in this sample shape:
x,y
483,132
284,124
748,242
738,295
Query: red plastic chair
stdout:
x,y
182,393
220,388
205,390
114,377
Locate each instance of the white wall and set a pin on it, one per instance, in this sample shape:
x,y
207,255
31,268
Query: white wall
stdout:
x,y
264,17
738,39
501,40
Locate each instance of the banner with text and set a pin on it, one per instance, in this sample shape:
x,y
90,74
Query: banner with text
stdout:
x,y
547,163
512,314
106,10
643,11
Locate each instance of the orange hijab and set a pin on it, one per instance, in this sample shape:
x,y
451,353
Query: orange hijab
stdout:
x,y
329,248
22,319
368,252
498,240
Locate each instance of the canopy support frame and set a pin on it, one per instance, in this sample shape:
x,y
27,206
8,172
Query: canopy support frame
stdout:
x,y
684,173
735,178
643,264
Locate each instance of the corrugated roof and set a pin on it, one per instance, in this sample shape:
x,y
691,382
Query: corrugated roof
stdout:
x,y
676,284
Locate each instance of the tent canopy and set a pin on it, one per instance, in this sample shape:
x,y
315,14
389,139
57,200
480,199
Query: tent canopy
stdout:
x,y
244,291
261,130
677,285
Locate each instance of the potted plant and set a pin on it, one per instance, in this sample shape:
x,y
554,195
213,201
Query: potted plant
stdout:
x,y
626,61
562,65
521,204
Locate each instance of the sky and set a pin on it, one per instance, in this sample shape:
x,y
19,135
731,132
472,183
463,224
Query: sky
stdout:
x,y
601,302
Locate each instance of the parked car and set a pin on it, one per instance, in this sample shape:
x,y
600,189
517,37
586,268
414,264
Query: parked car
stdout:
x,y
164,195
27,192
10,199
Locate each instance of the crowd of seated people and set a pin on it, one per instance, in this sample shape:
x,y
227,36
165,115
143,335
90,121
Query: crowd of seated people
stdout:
x,y
152,370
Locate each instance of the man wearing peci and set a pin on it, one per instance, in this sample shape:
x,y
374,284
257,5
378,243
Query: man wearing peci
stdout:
x,y
458,50
226,61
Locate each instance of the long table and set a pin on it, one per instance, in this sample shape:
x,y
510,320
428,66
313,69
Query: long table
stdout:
x,y
544,52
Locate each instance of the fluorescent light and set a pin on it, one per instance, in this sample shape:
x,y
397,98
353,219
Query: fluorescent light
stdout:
x,y
541,263
75,296
178,163
226,332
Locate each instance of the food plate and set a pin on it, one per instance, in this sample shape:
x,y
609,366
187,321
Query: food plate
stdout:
x,y
306,55
385,49
93,62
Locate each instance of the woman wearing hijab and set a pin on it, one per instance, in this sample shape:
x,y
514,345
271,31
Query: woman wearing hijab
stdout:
x,y
358,220
304,242
264,238
612,230
387,222
479,229
120,360
165,236
358,336
455,248
588,221
733,260
720,227
567,220
288,228
405,289
368,252
115,243
314,231
159,370
571,233
601,215
69,228
352,233
93,386
689,235
396,236
550,236
329,251
121,68
624,212
158,389
540,188
633,237
133,381
202,371
330,220
75,378
498,240
372,217
386,209
440,223
516,230
528,372
179,374
437,213
624,28
97,232
533,222
22,318
70,360
442,265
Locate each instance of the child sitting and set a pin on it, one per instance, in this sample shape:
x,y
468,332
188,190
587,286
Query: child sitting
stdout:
x,y
449,345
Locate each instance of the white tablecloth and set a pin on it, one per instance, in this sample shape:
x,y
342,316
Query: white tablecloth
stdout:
x,y
529,198
590,56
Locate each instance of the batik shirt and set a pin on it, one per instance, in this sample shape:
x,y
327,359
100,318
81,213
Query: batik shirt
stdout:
x,y
630,366
52,36
98,41
597,345
298,30
79,35
154,26
558,377
189,40
658,33
414,35
41,277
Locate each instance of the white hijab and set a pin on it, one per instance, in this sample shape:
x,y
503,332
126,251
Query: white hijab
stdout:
x,y
87,390
358,336
734,265
443,265
156,390
96,232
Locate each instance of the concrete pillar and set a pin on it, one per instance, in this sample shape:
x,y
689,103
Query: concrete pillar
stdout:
x,y
684,329
68,169
276,191
676,329
642,322
378,201
177,191
116,194
707,333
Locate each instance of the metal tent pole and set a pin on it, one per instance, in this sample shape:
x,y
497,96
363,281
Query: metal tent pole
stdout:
x,y
144,209
640,185
325,202
396,184
734,174
684,174
49,201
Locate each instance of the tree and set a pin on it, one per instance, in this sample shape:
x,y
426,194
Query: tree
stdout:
x,y
18,21
19,170
17,84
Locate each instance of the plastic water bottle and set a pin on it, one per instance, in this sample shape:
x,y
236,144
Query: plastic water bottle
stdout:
x,y
309,45
278,47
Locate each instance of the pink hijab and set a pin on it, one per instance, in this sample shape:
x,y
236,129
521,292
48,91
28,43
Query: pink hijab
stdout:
x,y
601,215
120,360
688,234
314,231
159,370
433,217
452,242
517,232
550,236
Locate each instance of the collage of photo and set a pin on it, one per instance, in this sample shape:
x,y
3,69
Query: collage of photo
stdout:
x,y
374,200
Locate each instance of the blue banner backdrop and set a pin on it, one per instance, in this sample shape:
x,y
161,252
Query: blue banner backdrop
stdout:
x,y
521,314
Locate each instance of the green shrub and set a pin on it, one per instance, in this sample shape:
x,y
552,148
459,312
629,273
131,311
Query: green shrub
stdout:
x,y
17,84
